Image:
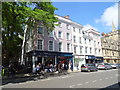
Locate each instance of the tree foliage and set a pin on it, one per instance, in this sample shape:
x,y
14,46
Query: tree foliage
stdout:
x,y
15,15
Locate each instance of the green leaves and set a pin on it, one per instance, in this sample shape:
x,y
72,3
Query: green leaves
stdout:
x,y
15,15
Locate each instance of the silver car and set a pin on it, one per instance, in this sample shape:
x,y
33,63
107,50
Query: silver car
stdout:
x,y
104,66
88,67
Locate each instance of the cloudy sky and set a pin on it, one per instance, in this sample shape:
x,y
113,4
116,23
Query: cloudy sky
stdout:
x,y
97,15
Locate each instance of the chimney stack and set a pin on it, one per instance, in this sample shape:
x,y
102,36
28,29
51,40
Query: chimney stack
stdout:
x,y
67,17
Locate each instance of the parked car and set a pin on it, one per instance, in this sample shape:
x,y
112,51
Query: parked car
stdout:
x,y
114,66
104,66
88,67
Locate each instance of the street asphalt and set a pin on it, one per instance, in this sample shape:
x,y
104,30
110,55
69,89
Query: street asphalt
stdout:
x,y
99,79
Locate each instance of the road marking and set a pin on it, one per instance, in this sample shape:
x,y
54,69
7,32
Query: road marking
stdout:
x,y
79,84
86,82
94,80
71,86
106,78
100,79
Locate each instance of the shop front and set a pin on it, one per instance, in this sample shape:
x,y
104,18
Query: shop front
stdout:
x,y
99,59
48,57
89,59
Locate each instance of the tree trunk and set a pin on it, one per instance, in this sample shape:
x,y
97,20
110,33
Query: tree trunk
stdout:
x,y
23,46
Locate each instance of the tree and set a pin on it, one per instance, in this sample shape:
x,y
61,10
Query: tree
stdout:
x,y
17,18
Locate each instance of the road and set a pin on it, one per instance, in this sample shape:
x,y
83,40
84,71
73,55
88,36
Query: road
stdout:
x,y
99,79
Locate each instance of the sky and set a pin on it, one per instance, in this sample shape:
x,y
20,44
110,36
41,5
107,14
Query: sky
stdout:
x,y
96,15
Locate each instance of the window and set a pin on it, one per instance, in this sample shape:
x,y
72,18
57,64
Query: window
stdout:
x,y
80,31
94,43
60,24
79,39
90,50
51,45
67,26
95,50
74,49
86,50
51,34
99,51
85,40
68,36
59,34
40,30
60,46
81,49
68,47
74,39
89,41
98,43
40,44
74,29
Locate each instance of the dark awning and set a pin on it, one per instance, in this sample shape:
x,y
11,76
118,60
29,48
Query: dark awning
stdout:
x,y
48,53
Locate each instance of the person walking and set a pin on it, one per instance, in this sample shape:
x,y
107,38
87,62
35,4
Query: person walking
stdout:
x,y
11,70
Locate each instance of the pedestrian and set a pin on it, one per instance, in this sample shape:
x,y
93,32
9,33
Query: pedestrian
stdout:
x,y
77,67
38,68
71,66
11,70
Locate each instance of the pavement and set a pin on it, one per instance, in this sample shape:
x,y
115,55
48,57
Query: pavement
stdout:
x,y
26,77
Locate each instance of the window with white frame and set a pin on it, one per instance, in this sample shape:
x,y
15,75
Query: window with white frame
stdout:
x,y
94,43
51,34
74,49
74,29
86,49
68,36
95,50
60,24
60,46
40,44
68,26
85,40
68,47
90,50
81,47
40,30
74,39
79,39
98,43
51,45
89,41
80,31
60,34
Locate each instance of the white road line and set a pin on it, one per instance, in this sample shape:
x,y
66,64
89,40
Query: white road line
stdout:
x,y
111,77
100,79
79,84
86,82
94,80
71,86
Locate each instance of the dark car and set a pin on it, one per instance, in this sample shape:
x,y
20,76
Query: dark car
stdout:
x,y
88,67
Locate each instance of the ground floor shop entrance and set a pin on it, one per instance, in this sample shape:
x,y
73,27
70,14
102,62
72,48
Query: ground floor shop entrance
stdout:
x,y
47,57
